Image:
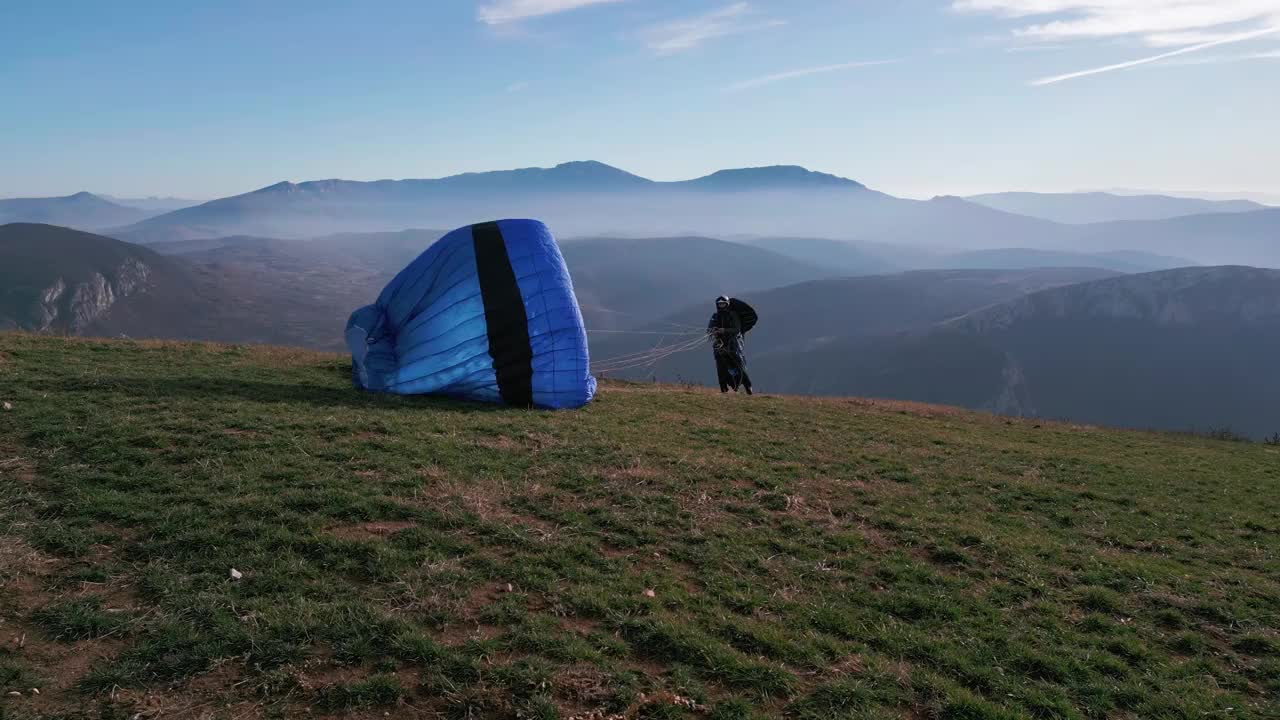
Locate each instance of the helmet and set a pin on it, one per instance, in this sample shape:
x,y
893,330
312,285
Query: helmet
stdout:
x,y
722,302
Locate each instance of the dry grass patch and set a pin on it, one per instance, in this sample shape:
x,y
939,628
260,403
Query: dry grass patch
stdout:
x,y
369,530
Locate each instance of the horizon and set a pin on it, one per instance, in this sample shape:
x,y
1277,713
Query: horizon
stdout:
x,y
1263,198
958,97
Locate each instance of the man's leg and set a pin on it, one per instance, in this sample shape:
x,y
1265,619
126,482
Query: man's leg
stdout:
x,y
740,364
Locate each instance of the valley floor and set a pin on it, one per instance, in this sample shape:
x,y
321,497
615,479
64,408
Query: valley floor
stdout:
x,y
663,553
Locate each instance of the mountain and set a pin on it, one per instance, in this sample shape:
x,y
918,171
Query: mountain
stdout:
x,y
1013,258
386,252
843,257
575,198
627,282
1183,349
1241,238
799,318
153,204
1095,207
63,281
590,198
1263,198
55,279
83,210
776,177
620,282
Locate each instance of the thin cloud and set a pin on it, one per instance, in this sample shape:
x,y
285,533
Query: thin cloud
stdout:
x,y
687,33
1223,59
1156,58
803,72
1033,48
499,12
1158,23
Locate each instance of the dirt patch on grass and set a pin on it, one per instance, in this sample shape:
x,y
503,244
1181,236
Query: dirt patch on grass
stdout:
x,y
905,407
204,697
21,568
486,500
433,472
586,686
458,634
878,539
272,356
581,626
501,443
851,665
14,466
241,432
368,530
532,443
58,666
631,472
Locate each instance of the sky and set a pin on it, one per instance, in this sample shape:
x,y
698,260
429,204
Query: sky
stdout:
x,y
912,97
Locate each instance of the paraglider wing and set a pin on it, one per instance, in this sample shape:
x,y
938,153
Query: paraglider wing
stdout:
x,y
745,312
486,313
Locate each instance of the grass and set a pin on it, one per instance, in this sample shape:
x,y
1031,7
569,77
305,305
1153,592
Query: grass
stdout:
x,y
664,553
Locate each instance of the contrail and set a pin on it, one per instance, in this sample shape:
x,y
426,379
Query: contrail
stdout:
x,y
776,77
1157,58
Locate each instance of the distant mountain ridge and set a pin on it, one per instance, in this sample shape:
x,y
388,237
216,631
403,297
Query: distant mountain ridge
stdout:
x,y
589,198
153,203
1013,258
1098,207
615,200
83,210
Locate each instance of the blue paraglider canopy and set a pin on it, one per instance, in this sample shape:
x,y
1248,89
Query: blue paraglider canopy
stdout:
x,y
486,313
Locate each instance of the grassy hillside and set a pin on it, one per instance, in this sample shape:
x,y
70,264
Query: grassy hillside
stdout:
x,y
664,553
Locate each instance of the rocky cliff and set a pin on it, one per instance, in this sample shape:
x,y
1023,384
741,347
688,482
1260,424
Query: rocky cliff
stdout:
x,y
74,308
62,281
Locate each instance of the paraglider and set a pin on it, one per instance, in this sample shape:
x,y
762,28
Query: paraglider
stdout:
x,y
732,320
486,313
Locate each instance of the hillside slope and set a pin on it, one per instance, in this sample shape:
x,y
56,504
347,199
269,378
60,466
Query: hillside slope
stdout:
x,y
630,282
798,318
54,279
62,281
620,282
1011,258
662,553
1184,349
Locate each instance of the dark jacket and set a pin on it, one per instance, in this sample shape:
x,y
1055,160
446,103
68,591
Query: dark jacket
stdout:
x,y
730,327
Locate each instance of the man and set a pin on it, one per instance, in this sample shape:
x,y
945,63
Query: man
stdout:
x,y
725,329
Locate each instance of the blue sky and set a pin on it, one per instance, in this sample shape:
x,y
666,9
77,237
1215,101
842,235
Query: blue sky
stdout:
x,y
914,97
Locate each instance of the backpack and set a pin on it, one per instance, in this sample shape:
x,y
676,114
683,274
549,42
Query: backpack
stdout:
x,y
745,312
